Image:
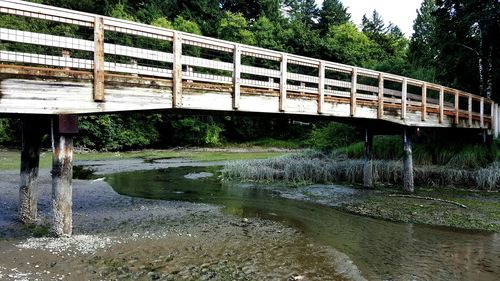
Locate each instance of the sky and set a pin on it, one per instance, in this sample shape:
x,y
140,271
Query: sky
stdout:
x,y
400,12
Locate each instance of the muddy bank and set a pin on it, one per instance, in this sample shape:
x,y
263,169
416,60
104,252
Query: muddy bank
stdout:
x,y
122,238
482,212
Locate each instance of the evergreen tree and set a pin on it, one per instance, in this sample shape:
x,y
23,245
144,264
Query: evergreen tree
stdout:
x,y
332,12
423,40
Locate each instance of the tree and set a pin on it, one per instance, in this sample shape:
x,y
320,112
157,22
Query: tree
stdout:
x,y
422,43
253,9
304,11
332,12
234,27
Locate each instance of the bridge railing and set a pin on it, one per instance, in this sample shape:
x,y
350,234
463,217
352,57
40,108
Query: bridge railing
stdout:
x,y
108,45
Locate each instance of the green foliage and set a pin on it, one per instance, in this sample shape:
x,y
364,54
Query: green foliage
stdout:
x,y
114,132
7,131
331,136
235,27
196,131
332,13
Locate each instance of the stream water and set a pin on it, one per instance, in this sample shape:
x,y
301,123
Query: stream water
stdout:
x,y
381,250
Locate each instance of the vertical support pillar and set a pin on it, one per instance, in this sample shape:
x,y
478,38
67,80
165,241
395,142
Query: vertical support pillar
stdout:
x,y
64,127
283,81
236,76
424,102
408,184
481,112
354,87
470,109
177,71
441,104
99,59
368,163
404,93
457,108
32,130
492,116
380,112
321,87
497,121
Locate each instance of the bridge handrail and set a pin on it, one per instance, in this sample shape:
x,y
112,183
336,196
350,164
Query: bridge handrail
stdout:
x,y
319,85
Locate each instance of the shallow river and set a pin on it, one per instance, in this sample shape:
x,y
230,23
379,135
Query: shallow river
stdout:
x,y
381,250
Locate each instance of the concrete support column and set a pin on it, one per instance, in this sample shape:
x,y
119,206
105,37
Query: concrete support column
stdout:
x,y
368,164
64,127
32,131
408,184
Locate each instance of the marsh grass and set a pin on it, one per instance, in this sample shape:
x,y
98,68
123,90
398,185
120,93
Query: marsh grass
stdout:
x,y
315,167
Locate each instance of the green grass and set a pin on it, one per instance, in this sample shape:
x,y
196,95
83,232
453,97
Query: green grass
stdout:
x,y
10,159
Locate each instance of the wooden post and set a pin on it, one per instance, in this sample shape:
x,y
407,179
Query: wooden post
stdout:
x,y
99,59
497,125
470,109
283,81
368,163
64,127
380,112
481,112
32,131
404,93
424,102
66,54
441,104
492,115
236,76
457,107
408,184
177,71
321,87
354,86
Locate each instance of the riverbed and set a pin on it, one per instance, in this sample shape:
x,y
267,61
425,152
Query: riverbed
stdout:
x,y
176,221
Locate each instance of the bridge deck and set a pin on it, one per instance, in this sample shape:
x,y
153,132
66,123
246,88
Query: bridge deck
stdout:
x,y
104,67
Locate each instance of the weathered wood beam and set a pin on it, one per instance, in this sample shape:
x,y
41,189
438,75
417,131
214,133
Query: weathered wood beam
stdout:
x,y
177,71
63,129
283,82
408,184
354,86
380,111
321,87
457,108
236,76
32,131
481,112
368,163
441,104
469,102
99,59
424,102
404,94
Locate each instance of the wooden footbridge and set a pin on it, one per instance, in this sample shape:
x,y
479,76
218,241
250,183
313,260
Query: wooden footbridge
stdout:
x,y
63,63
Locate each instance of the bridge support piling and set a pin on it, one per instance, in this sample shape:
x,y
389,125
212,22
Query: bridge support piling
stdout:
x,y
64,127
408,184
30,155
368,164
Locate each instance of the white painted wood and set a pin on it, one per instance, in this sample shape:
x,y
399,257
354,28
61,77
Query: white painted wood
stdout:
x,y
380,111
424,102
207,63
177,71
404,98
57,61
260,71
469,102
354,83
283,82
441,104
236,76
481,112
321,87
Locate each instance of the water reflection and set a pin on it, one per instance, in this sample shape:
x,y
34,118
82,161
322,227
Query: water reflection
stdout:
x,y
382,250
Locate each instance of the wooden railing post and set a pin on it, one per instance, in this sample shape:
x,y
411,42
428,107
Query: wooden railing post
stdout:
x,y
424,102
441,104
481,112
497,122
470,109
404,93
177,71
236,76
283,81
457,107
99,59
321,87
354,86
492,116
380,112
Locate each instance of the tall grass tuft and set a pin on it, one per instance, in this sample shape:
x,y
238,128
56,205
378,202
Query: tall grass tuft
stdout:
x,y
317,167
